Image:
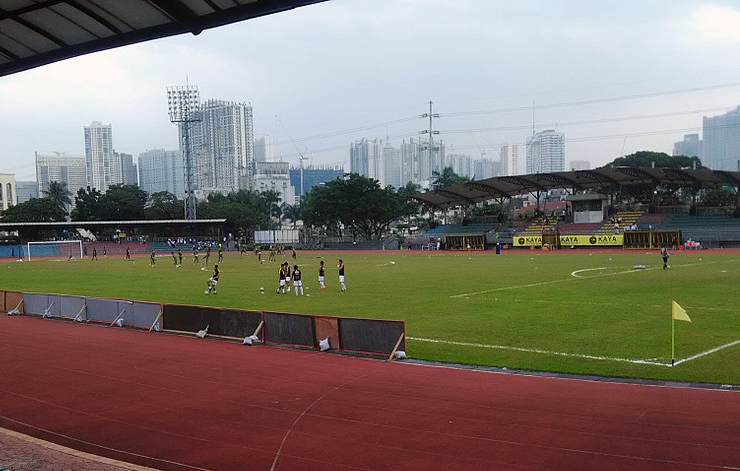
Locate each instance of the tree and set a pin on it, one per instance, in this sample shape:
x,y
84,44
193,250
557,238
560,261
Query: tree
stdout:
x,y
164,205
88,206
292,212
241,210
268,203
646,158
448,177
58,193
124,202
34,210
357,203
719,196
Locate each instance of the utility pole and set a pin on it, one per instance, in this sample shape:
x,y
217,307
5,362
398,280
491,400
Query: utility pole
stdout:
x,y
431,133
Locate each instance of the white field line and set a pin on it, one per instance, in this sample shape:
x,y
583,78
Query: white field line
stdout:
x,y
543,352
708,352
542,283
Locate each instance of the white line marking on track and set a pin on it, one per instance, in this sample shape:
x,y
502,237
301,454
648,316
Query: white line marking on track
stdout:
x,y
544,352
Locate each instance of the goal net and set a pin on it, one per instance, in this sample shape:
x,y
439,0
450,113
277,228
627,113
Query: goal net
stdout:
x,y
55,250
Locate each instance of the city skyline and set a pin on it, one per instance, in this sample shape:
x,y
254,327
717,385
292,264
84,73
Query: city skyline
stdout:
x,y
612,85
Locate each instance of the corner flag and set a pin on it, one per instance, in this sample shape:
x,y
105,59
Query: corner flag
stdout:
x,y
679,313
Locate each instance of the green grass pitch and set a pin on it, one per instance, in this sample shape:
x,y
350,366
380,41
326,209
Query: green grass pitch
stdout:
x,y
521,310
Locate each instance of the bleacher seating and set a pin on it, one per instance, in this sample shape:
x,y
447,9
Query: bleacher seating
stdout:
x,y
711,231
624,218
537,227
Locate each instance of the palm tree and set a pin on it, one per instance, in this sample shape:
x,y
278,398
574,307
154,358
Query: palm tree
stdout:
x,y
448,177
59,194
292,212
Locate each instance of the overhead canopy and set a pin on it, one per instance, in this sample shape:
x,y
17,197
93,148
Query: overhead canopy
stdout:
x,y
36,32
605,179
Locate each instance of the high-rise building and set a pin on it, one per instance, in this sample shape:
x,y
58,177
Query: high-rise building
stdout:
x,y
264,149
410,154
222,145
392,165
509,159
26,190
103,167
546,152
313,176
461,164
366,158
7,191
62,168
128,169
484,168
162,170
721,144
690,146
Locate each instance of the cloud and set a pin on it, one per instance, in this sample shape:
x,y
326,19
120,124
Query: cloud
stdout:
x,y
718,23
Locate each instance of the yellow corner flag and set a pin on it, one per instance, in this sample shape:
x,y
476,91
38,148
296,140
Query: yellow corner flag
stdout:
x,y
679,313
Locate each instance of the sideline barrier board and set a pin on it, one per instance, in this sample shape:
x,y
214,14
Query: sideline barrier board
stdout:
x,y
144,314
184,318
70,306
291,329
370,335
2,302
13,299
36,303
238,324
103,310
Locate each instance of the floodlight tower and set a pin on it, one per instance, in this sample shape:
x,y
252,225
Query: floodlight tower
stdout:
x,y
184,109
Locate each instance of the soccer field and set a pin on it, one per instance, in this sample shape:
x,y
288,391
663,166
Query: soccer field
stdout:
x,y
564,312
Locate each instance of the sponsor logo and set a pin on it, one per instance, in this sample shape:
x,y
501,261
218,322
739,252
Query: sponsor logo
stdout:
x,y
592,240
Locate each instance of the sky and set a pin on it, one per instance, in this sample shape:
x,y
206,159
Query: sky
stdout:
x,y
615,77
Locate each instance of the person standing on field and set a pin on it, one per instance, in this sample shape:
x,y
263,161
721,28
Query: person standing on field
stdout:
x,y
321,275
297,283
664,255
341,275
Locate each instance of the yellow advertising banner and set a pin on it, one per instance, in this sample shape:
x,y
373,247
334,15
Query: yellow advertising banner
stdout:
x,y
575,240
614,239
527,241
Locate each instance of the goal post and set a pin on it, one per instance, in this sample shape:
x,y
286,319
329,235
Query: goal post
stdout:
x,y
54,249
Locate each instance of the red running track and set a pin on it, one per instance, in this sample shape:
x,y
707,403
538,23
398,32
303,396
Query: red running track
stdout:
x,y
179,403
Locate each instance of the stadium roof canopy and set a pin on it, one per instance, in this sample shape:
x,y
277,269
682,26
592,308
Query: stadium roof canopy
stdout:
x,y
603,180
38,32
11,226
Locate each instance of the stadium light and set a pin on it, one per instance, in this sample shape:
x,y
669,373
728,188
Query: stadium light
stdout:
x,y
183,105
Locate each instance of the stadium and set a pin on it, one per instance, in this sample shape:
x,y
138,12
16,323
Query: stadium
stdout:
x,y
583,328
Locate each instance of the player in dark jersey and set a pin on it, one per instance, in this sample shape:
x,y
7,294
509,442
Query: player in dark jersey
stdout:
x,y
220,253
174,258
179,257
281,279
195,255
128,255
664,255
153,259
297,280
341,275
213,281
208,255
321,275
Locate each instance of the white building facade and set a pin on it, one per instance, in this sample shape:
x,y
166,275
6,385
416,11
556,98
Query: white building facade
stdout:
x,y
546,152
222,145
7,191
721,142
103,165
161,170
62,168
271,176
